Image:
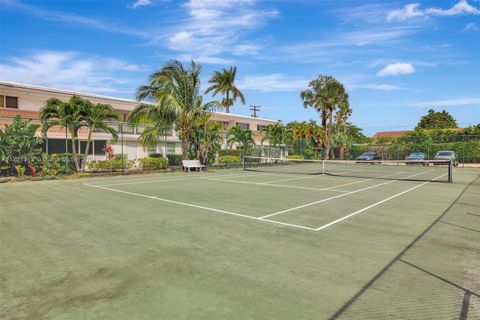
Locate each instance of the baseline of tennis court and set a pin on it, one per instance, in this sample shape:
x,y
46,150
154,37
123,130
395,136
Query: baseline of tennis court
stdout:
x,y
312,202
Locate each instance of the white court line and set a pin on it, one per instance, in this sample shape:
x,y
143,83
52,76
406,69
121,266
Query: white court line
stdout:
x,y
282,180
376,204
201,207
278,185
199,176
334,188
338,196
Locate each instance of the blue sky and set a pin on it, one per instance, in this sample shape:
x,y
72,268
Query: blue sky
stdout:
x,y
396,58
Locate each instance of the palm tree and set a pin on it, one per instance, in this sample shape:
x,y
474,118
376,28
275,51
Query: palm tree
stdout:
x,y
174,95
342,140
341,117
325,94
209,136
224,82
95,118
316,134
244,137
276,134
69,115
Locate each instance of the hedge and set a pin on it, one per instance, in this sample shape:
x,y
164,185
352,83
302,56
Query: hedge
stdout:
x,y
295,157
468,151
230,152
109,165
174,159
153,163
228,159
155,155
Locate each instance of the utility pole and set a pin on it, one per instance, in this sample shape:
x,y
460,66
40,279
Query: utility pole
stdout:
x,y
255,109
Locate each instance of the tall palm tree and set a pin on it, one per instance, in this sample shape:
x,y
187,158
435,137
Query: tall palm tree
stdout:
x,y
325,94
244,137
209,136
341,117
224,82
69,115
96,119
173,93
276,134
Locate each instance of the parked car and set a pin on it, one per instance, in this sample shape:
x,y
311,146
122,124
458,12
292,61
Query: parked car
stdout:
x,y
447,155
416,158
368,156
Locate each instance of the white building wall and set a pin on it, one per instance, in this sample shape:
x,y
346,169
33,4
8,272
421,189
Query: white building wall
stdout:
x,y
32,99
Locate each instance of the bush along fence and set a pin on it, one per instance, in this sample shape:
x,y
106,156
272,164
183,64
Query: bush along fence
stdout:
x,y
467,151
467,148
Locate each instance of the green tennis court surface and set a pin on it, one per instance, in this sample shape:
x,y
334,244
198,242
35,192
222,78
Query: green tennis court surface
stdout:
x,y
233,244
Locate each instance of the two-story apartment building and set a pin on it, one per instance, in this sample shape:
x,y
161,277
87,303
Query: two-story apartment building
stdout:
x,y
26,100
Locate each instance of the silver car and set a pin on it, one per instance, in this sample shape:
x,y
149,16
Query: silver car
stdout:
x,y
447,155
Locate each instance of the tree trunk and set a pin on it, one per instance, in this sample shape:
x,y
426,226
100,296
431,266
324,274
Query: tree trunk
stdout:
x,y
74,150
324,119
227,102
329,135
332,153
87,148
342,151
184,148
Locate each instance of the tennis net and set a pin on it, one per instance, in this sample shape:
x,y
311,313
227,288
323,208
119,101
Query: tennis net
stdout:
x,y
426,170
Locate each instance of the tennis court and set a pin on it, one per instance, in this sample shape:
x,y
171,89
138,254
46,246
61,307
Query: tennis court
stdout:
x,y
372,243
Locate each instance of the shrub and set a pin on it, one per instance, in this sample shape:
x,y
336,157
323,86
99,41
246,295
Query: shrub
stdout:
x,y
295,157
155,155
230,152
54,164
228,159
18,145
109,165
120,156
174,159
153,163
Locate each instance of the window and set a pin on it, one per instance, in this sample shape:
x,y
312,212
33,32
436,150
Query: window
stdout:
x,y
99,145
9,102
243,125
126,128
170,148
151,149
56,146
260,127
83,146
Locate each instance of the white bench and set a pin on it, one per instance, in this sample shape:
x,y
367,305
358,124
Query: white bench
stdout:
x,y
192,164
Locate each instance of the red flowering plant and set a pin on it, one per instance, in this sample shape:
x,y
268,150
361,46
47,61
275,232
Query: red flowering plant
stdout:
x,y
108,151
33,170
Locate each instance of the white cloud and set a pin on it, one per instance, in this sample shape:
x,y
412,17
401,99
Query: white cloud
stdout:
x,y
212,29
216,28
395,69
204,59
244,49
381,87
447,103
179,39
272,82
140,3
472,26
413,10
69,70
52,15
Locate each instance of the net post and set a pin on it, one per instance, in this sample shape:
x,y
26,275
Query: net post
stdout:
x,y
323,166
450,171
123,158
